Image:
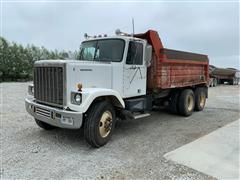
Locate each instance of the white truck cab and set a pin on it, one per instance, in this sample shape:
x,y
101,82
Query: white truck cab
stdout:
x,y
119,61
108,80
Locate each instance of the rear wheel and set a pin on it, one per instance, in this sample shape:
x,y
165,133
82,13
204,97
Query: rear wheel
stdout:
x,y
200,99
173,103
186,102
44,125
99,124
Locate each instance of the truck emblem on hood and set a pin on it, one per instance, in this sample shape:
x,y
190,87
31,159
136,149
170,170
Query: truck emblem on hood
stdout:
x,y
85,69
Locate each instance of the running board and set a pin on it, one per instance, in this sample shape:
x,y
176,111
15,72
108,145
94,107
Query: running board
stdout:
x,y
128,115
141,116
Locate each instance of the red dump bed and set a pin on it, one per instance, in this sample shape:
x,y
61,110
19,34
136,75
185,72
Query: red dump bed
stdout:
x,y
173,69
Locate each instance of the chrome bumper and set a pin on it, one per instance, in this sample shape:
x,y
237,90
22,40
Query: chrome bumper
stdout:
x,y
54,116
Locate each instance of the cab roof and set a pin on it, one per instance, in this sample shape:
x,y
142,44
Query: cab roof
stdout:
x,y
114,37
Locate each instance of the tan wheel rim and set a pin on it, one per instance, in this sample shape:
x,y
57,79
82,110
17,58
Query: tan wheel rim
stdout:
x,y
202,100
105,124
190,103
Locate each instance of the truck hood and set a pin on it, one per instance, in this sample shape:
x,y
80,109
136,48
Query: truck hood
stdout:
x,y
91,74
60,61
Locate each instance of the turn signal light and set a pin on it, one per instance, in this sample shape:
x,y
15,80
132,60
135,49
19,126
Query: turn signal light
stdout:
x,y
79,86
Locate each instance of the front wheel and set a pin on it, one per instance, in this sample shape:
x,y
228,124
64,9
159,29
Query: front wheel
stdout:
x,y
99,124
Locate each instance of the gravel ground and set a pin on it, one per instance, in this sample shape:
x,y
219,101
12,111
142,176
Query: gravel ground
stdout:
x,y
135,151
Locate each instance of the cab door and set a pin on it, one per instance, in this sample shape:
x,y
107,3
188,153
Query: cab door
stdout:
x,y
135,70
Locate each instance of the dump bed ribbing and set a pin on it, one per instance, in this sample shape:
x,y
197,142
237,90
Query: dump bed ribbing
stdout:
x,y
171,68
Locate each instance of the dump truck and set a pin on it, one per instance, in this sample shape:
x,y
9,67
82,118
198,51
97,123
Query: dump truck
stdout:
x,y
118,77
222,75
213,81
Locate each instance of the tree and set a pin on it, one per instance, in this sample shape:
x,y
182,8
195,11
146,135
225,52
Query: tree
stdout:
x,y
4,54
17,61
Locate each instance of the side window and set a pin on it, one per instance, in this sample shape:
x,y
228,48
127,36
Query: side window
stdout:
x,y
135,53
89,53
88,50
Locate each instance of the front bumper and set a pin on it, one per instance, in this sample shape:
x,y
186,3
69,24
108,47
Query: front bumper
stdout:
x,y
54,116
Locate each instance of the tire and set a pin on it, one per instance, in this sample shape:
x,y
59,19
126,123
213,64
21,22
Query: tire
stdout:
x,y
99,114
44,125
186,102
200,99
173,103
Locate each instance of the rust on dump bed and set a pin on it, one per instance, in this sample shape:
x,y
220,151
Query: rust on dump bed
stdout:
x,y
172,68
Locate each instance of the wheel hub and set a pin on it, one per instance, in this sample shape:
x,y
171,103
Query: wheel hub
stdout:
x,y
202,100
190,103
105,124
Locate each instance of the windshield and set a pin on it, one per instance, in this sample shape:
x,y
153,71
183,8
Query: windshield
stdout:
x,y
102,50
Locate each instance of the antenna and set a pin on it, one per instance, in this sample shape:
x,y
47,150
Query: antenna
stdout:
x,y
133,26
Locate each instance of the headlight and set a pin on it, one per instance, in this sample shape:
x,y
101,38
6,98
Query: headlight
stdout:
x,y
30,90
76,98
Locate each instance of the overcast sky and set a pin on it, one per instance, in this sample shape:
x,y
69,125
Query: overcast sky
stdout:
x,y
208,28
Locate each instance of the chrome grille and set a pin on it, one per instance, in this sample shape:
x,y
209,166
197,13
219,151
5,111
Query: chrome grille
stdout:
x,y
49,85
42,112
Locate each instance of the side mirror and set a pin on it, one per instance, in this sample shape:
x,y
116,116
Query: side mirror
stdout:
x,y
148,55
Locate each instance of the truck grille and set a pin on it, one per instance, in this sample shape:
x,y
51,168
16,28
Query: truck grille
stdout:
x,y
48,85
43,112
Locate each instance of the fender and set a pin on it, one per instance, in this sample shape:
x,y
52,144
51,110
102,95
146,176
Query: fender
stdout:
x,y
90,94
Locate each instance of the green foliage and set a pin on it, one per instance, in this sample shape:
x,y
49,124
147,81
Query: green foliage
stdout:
x,y
16,61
